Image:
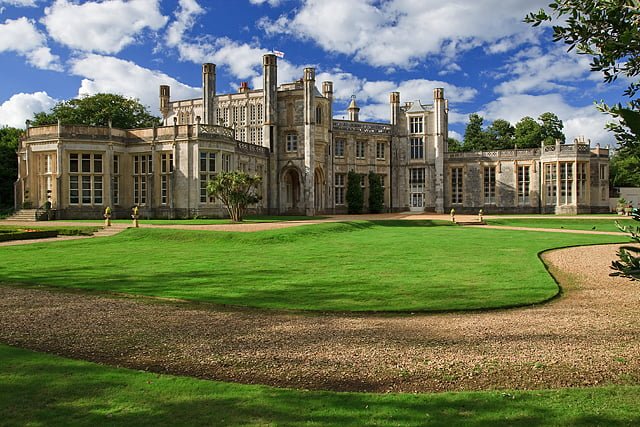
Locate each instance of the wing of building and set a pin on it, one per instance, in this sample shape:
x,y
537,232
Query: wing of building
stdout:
x,y
287,134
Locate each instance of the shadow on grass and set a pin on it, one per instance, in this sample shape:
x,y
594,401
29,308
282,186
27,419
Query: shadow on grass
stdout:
x,y
38,389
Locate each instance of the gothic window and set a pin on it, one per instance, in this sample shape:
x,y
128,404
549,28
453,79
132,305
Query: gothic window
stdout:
x,y
566,183
550,181
339,187
416,125
489,185
417,148
207,173
292,142
339,148
360,149
166,167
380,150
116,179
142,170
456,185
523,184
318,115
85,179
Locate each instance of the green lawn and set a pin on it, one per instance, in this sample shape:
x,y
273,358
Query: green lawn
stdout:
x,y
353,266
205,221
43,390
605,224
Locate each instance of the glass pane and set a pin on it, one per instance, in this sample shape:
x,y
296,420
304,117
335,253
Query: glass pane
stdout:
x,y
73,163
86,189
97,163
86,163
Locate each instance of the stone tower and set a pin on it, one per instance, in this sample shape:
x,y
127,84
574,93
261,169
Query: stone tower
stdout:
x,y
440,109
269,126
209,93
309,89
165,99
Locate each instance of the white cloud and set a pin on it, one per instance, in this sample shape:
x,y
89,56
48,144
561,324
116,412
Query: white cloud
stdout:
x,y
106,27
21,36
538,71
373,96
400,32
19,3
108,74
272,3
22,106
185,19
243,60
578,121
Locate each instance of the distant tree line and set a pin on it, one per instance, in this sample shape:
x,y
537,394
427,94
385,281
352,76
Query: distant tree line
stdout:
x,y
501,135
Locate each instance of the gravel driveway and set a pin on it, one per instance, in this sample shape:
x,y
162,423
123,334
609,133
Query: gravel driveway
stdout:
x,y
587,336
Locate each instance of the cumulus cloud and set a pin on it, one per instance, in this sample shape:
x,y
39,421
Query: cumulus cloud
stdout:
x,y
400,32
372,96
578,121
535,70
243,60
19,3
22,37
22,106
106,27
108,74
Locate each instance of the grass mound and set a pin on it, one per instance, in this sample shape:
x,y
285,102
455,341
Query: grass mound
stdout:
x,y
351,266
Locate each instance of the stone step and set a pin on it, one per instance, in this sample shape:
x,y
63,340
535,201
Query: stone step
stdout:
x,y
23,215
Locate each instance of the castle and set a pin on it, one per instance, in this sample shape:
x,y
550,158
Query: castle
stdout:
x,y
287,135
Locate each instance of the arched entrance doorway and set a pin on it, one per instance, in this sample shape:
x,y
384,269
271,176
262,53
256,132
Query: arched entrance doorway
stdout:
x,y
291,200
318,190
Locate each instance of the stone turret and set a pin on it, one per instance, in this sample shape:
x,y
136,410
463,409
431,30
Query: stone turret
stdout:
x,y
327,92
208,93
269,126
270,94
309,90
165,100
394,102
441,123
354,110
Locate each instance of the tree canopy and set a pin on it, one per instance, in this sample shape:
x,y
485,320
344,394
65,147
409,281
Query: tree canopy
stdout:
x,y
236,190
9,140
96,110
376,193
501,135
609,32
355,195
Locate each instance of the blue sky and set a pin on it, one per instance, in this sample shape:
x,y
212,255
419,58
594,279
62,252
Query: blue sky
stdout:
x,y
488,61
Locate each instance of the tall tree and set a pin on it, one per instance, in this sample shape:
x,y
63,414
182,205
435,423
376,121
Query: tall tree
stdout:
x,y
236,190
376,193
453,145
96,110
475,138
355,196
624,170
609,32
9,140
528,133
551,128
500,134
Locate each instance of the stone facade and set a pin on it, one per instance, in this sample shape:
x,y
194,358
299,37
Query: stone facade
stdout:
x,y
287,134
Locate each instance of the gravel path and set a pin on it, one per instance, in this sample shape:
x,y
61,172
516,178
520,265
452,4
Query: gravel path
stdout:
x,y
586,337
